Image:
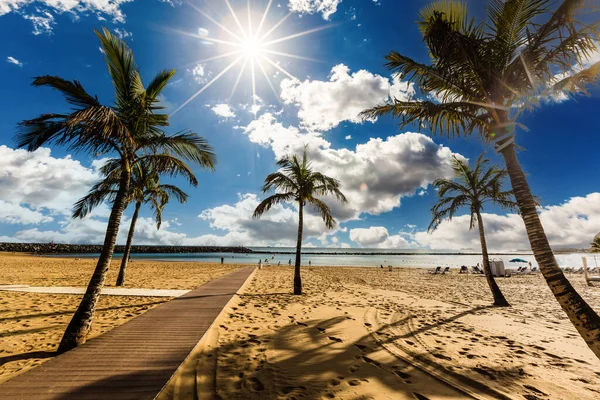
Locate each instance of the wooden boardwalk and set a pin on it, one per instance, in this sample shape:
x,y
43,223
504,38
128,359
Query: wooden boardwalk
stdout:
x,y
134,360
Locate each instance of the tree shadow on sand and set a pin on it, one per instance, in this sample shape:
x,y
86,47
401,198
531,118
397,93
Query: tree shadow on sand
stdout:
x,y
307,360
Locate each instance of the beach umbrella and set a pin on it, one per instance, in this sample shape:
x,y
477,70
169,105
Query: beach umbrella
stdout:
x,y
520,260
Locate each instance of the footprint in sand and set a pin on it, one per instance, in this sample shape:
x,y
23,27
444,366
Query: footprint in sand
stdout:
x,y
419,396
354,382
334,382
333,338
362,348
353,368
290,389
321,330
371,361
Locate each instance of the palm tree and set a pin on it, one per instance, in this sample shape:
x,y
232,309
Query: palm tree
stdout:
x,y
596,244
145,188
485,75
132,128
296,181
473,188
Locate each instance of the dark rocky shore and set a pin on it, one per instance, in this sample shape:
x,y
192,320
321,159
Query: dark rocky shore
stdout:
x,y
56,248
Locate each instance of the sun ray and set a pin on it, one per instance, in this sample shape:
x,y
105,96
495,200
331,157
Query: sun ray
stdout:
x,y
279,53
268,80
280,68
195,35
215,22
231,53
295,35
239,24
253,86
213,80
262,21
276,26
237,81
249,46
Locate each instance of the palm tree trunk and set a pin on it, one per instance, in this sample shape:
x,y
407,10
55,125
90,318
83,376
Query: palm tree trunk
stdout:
x,y
297,277
499,299
125,260
582,316
81,322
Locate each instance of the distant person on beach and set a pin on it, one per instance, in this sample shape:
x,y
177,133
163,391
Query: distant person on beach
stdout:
x,y
222,259
279,263
309,263
290,262
259,263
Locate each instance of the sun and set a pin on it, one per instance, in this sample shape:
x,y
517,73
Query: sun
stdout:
x,y
249,46
252,48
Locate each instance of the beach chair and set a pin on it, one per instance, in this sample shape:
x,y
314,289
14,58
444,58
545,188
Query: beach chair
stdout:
x,y
464,270
477,270
435,271
579,271
447,269
534,270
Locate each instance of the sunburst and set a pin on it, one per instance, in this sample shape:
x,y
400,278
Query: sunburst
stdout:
x,y
249,47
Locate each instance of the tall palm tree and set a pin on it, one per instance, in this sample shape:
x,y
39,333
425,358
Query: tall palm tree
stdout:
x,y
296,181
473,188
145,188
485,75
131,129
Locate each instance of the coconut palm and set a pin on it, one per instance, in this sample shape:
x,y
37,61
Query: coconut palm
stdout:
x,y
131,129
484,75
473,188
296,181
596,245
145,188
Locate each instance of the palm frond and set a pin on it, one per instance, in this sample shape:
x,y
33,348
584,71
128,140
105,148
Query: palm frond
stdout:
x,y
271,201
323,210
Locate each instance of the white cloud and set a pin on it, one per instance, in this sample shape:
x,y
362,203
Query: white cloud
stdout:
x,y
11,213
374,176
571,224
223,110
324,7
13,60
41,181
324,104
378,237
122,33
41,12
200,73
348,137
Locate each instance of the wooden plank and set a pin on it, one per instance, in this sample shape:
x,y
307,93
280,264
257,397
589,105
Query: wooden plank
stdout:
x,y
134,360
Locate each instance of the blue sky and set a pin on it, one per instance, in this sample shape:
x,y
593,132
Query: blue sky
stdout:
x,y
385,172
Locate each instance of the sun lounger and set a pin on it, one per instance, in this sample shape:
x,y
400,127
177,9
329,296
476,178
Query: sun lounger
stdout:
x,y
435,271
447,269
477,270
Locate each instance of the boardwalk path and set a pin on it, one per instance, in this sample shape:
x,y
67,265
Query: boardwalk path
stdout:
x,y
134,360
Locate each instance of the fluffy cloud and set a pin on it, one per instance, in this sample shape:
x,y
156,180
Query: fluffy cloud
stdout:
x,y
13,60
11,213
374,176
223,110
324,7
200,73
324,104
378,237
572,224
41,181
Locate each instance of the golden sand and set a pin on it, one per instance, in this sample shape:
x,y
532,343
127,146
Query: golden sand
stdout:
x,y
32,324
366,333
356,333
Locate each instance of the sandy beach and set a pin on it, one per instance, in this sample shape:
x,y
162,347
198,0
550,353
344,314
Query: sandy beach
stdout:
x,y
32,324
366,333
356,333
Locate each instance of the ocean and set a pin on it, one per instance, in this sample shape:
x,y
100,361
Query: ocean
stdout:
x,y
360,257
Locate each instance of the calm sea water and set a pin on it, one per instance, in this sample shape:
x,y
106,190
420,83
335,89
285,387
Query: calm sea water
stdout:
x,y
358,257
